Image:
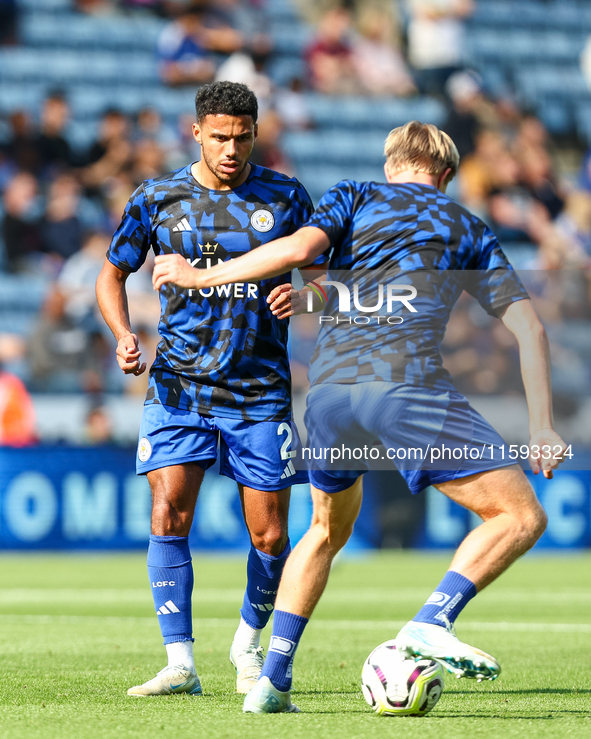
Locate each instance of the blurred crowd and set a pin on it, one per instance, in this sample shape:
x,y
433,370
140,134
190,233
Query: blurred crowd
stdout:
x,y
60,204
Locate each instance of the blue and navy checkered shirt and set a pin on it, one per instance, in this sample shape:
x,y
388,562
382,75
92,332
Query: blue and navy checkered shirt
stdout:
x,y
413,235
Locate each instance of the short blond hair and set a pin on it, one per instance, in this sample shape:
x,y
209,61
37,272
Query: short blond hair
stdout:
x,y
421,147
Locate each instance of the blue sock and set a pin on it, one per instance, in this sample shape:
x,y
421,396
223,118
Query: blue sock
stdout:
x,y
452,595
263,573
287,632
171,579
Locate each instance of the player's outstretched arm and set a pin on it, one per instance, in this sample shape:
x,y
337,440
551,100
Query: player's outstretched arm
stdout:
x,y
269,260
534,355
112,299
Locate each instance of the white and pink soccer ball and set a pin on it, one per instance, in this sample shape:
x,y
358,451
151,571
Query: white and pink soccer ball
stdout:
x,y
396,686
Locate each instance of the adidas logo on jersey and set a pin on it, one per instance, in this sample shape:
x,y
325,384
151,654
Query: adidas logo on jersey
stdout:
x,y
288,471
167,608
183,225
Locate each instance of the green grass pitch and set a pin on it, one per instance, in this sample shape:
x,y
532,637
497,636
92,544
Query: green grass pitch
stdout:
x,y
77,630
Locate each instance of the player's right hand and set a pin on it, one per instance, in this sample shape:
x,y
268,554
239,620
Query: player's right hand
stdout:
x,y
128,355
547,451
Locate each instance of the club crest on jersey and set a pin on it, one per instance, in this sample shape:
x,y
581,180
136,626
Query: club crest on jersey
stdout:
x,y
144,450
262,220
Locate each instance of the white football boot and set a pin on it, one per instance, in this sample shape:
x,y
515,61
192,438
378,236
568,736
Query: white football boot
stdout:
x,y
172,679
420,640
265,698
248,662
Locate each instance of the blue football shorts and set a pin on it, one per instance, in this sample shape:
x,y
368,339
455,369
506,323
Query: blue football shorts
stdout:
x,y
432,435
258,454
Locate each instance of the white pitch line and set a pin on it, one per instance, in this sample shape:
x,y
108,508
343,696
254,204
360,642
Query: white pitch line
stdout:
x,y
323,624
231,595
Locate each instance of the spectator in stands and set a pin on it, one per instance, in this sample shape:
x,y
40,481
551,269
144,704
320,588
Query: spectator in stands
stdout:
x,y
538,179
19,225
267,150
185,149
62,226
63,356
247,19
150,126
17,414
98,427
568,244
291,104
8,22
436,41
378,61
7,167
476,176
249,69
78,278
111,154
481,358
114,127
329,57
96,7
21,147
182,51
469,110
52,145
515,214
531,133
116,192
185,48
585,60
148,161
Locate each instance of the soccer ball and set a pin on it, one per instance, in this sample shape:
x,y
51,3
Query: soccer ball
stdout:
x,y
396,686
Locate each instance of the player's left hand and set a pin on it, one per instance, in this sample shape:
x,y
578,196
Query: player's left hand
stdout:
x,y
285,301
175,269
546,443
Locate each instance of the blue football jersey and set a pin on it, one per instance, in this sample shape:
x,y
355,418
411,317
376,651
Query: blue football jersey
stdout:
x,y
222,351
387,239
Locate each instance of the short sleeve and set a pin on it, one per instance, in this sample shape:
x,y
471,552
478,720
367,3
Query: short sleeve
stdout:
x,y
493,281
334,212
302,209
131,241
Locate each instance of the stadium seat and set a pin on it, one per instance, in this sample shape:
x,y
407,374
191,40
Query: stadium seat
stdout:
x,y
283,68
307,147
88,102
333,112
556,116
292,40
319,179
521,255
563,82
123,33
66,66
22,293
15,96
47,6
583,120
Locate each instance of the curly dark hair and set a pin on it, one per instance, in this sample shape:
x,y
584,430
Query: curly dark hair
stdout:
x,y
226,98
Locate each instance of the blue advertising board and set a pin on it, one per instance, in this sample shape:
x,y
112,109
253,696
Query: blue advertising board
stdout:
x,y
56,497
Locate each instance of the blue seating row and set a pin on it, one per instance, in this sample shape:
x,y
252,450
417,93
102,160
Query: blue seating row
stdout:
x,y
65,66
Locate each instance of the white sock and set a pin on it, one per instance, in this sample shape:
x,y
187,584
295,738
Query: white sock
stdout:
x,y
246,636
180,653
